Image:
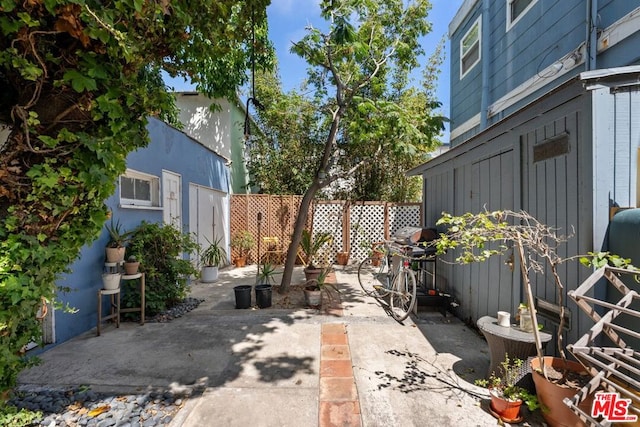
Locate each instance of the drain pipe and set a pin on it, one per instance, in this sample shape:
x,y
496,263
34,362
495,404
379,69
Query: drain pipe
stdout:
x,y
484,51
592,35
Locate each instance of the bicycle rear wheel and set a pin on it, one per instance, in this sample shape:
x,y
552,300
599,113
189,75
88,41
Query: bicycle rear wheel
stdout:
x,y
403,294
374,278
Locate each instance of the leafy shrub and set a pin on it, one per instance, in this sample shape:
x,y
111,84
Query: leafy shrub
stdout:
x,y
10,416
161,250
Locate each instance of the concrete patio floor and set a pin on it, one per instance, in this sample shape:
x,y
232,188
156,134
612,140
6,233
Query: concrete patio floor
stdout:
x,y
290,366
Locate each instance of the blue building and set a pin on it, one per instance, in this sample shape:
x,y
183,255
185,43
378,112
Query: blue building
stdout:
x,y
545,117
505,54
183,183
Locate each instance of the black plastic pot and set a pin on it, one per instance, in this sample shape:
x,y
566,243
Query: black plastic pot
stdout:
x,y
263,296
243,296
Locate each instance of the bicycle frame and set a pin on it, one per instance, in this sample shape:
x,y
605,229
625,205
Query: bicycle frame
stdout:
x,y
395,261
393,278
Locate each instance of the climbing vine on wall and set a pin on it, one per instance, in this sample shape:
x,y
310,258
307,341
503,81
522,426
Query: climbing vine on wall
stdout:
x,y
78,79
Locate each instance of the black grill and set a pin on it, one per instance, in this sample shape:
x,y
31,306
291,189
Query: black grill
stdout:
x,y
417,243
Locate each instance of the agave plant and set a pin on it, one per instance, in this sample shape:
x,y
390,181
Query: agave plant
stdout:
x,y
311,245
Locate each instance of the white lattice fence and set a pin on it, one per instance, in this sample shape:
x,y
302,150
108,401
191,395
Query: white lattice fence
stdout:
x,y
367,226
328,217
400,216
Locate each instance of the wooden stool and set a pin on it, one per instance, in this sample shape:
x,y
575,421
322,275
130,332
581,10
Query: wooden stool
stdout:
x,y
114,295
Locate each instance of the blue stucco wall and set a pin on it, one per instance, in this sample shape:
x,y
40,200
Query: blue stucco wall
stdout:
x,y
170,150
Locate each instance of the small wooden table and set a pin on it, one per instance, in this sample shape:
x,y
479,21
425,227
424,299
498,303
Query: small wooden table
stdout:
x,y
513,341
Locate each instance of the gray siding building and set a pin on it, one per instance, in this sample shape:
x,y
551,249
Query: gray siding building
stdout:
x,y
545,111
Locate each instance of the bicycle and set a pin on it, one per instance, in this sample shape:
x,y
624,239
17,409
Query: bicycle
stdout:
x,y
392,278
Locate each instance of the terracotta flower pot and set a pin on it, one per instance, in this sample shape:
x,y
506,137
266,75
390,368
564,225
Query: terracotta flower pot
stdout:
x,y
343,258
312,273
376,257
240,261
551,394
131,268
115,254
504,409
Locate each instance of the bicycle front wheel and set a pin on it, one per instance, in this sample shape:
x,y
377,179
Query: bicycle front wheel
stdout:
x,y
403,294
374,277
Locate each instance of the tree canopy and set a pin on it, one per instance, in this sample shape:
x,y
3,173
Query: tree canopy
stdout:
x,y
359,69
284,155
79,78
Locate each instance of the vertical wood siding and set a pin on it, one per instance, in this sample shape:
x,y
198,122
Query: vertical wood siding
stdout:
x,y
496,170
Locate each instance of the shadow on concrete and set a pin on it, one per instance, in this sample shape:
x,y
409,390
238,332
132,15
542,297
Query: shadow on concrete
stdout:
x,y
213,345
448,335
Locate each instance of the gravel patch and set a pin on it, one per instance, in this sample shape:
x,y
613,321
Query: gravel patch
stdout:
x,y
80,406
176,311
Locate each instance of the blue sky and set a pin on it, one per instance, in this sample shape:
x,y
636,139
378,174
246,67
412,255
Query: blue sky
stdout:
x,y
287,22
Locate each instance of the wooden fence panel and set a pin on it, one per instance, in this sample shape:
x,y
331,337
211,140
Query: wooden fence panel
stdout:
x,y
354,225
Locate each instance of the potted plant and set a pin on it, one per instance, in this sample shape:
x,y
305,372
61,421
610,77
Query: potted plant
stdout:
x,y
264,285
211,259
131,265
342,257
110,280
536,246
377,252
506,396
242,241
266,274
315,287
311,245
117,239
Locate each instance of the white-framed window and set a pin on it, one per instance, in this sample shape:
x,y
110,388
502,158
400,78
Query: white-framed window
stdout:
x,y
139,189
516,9
470,48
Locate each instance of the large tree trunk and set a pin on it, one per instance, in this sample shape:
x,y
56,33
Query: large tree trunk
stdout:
x,y
301,220
303,212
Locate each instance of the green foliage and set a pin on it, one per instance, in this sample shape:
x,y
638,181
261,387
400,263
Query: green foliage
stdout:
x,y
320,283
471,233
117,237
364,124
214,255
266,274
284,155
243,242
504,384
369,47
78,81
10,416
311,245
161,249
600,259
